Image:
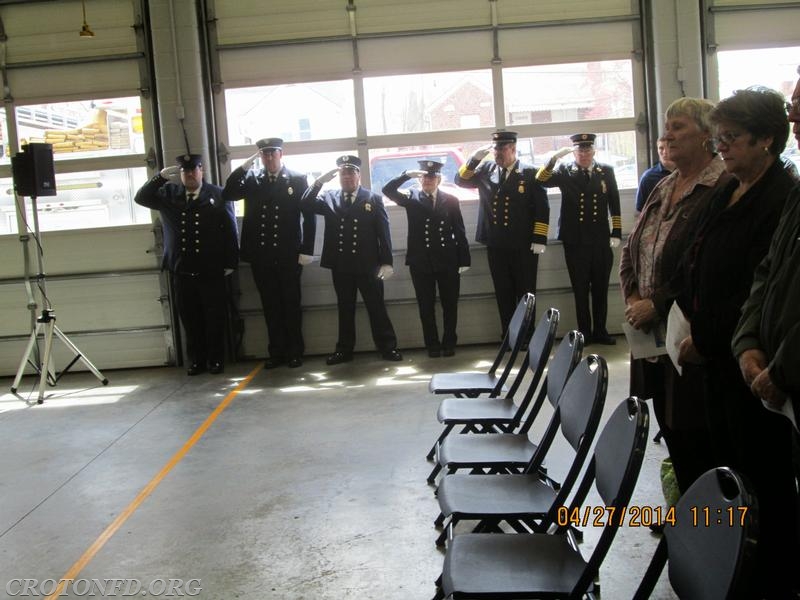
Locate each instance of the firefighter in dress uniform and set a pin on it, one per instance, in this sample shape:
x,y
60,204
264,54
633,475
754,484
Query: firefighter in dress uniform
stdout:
x,y
357,248
200,250
277,241
437,251
588,195
512,218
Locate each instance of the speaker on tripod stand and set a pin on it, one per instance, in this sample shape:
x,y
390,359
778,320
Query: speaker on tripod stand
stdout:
x,y
34,175
34,171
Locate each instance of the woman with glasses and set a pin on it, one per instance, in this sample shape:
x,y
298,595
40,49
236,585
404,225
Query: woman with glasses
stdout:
x,y
751,129
648,263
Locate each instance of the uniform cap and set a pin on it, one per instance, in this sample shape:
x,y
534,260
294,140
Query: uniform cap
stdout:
x,y
583,139
431,167
349,161
500,138
189,162
270,144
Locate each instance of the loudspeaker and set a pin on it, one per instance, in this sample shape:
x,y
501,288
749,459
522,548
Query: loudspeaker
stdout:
x,y
33,171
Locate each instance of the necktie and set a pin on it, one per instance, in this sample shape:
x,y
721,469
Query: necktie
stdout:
x,y
426,199
348,200
189,197
503,175
272,178
587,175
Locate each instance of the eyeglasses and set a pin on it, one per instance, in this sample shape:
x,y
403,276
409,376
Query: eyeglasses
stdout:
x,y
725,137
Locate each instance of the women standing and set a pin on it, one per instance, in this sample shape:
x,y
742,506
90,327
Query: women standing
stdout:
x,y
649,260
751,130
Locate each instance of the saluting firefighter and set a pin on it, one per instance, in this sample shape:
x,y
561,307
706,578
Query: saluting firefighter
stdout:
x,y
199,250
512,219
589,195
277,241
357,248
437,251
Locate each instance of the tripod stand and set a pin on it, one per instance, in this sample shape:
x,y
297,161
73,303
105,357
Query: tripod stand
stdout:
x,y
46,322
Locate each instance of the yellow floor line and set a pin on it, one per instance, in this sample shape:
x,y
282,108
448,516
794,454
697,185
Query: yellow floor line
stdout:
x,y
92,550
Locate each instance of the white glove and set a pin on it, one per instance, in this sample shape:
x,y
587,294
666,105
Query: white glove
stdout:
x,y
562,153
227,271
538,248
613,242
463,269
304,259
326,177
172,174
481,153
250,161
385,272
416,173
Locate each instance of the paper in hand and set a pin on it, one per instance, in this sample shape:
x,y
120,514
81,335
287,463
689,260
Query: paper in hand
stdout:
x,y
678,329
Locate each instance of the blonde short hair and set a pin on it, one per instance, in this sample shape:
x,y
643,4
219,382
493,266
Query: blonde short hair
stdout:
x,y
696,109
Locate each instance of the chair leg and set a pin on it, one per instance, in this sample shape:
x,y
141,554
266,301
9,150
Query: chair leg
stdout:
x,y
439,591
442,539
432,452
434,472
439,522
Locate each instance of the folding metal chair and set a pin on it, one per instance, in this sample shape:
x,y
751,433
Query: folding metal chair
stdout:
x,y
542,565
529,501
473,384
576,414
480,415
710,541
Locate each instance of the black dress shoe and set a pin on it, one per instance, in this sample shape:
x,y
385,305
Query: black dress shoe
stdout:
x,y
196,369
215,368
295,362
339,357
434,352
392,355
604,339
448,352
273,362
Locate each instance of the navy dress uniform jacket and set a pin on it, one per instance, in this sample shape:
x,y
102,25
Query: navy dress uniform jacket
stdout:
x,y
514,213
437,240
199,238
585,205
274,230
357,239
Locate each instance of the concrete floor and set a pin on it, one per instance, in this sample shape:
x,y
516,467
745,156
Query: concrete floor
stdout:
x,y
309,484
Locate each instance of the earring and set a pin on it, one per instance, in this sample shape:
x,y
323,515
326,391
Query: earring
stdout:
x,y
766,150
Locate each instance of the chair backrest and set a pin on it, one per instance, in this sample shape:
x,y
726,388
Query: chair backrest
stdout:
x,y
536,358
519,326
709,538
577,416
514,338
614,469
566,358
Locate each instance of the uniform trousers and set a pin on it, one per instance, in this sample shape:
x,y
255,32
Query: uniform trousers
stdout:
x,y
279,288
425,282
513,273
201,306
371,288
589,267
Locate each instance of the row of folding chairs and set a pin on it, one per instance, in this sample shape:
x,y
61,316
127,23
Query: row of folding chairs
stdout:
x,y
525,543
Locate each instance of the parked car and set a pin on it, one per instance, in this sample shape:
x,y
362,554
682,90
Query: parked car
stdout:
x,y
385,167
